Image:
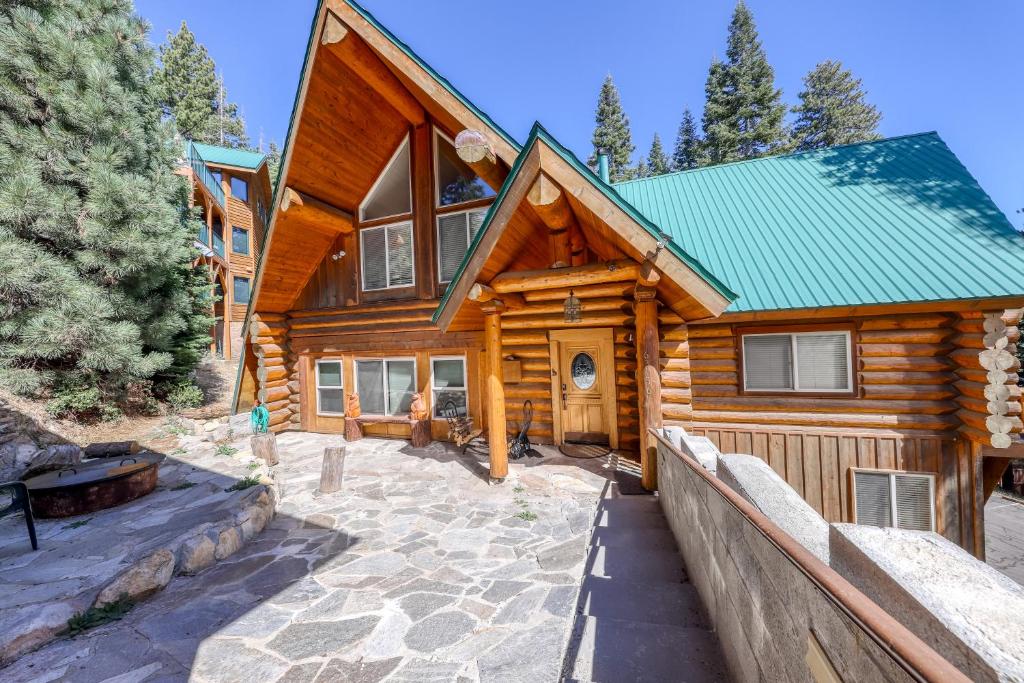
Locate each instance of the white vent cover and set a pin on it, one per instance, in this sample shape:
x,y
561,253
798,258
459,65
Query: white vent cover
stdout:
x,y
894,499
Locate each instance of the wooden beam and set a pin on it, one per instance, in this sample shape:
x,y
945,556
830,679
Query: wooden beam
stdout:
x,y
358,56
481,293
595,273
316,211
495,390
648,382
548,200
649,275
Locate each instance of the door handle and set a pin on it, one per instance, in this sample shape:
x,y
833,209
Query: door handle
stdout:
x,y
565,403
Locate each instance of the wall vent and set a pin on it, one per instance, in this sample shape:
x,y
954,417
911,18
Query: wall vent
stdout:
x,y
905,500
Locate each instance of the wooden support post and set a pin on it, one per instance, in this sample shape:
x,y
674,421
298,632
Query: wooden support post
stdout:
x,y
333,469
495,390
264,446
648,381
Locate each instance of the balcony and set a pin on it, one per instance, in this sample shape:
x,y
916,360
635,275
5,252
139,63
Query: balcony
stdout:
x,y
205,176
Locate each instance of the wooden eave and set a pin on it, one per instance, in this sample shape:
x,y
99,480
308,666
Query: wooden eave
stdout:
x,y
611,233
314,168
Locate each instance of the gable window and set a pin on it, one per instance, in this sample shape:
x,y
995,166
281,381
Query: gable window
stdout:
x,y
329,388
391,194
386,256
456,181
455,232
903,500
448,383
240,188
386,385
239,241
798,362
241,290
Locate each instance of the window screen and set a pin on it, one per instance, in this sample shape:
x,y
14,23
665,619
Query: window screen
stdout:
x,y
385,386
448,383
329,388
386,254
768,361
391,195
241,290
456,181
401,378
239,241
455,232
370,386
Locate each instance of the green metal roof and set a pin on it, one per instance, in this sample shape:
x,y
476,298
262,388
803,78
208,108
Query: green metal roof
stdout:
x,y
893,221
228,156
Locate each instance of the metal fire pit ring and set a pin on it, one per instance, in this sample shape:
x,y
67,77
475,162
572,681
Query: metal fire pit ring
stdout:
x,y
93,485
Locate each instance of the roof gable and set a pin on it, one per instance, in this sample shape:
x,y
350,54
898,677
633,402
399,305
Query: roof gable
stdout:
x,y
892,221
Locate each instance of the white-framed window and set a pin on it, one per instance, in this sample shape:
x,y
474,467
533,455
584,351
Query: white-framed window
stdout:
x,y
391,193
386,256
454,181
330,387
385,385
798,361
905,500
448,383
455,232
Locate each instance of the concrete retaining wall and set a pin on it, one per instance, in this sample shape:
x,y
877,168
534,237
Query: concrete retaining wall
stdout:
x,y
778,610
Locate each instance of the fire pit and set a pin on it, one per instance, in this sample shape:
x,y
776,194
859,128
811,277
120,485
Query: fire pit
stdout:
x,y
93,485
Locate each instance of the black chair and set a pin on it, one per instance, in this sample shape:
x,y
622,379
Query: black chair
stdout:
x,y
19,502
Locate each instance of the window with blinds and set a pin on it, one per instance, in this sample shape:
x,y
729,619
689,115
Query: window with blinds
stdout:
x,y
455,232
385,386
797,361
386,256
905,500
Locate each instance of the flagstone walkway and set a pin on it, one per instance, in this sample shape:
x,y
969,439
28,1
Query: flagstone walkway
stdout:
x,y
417,570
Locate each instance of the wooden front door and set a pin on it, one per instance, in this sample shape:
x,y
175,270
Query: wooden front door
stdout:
x,y
583,386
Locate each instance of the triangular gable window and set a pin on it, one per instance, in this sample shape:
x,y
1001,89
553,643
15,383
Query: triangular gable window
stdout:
x,y
391,195
456,181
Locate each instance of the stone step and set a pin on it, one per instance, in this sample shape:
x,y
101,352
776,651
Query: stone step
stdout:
x,y
632,513
640,540
607,650
653,565
652,602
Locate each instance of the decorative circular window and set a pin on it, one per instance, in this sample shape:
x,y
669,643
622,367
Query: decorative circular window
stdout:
x,y
584,371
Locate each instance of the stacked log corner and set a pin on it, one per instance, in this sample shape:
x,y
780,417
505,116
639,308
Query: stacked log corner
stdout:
x,y
276,370
986,358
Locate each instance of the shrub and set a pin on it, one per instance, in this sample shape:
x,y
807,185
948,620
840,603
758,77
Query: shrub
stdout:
x,y
74,398
244,483
185,395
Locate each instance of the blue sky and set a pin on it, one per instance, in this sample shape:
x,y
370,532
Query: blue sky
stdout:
x,y
942,65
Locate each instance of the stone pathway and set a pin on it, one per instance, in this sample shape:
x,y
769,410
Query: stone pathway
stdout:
x,y
189,522
640,620
1004,536
418,570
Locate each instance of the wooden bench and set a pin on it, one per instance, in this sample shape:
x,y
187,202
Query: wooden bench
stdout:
x,y
419,430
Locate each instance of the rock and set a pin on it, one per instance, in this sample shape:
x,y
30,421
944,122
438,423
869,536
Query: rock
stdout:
x,y
228,543
196,555
23,629
240,423
564,555
210,426
440,630
419,605
142,580
225,660
362,671
321,638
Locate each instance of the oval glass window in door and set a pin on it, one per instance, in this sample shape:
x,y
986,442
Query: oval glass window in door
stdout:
x,y
584,370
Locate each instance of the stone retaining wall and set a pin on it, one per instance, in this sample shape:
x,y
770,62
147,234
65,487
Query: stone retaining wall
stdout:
x,y
780,613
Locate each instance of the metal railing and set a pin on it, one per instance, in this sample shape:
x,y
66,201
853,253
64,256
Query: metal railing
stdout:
x,y
202,171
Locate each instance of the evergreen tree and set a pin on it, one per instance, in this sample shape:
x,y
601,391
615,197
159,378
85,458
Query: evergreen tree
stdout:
x,y
657,161
642,169
687,153
273,163
743,115
833,110
191,93
97,290
611,134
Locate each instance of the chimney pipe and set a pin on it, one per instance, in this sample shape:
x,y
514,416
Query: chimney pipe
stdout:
x,y
602,167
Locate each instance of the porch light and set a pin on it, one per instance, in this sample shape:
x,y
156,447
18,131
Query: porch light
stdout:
x,y
572,308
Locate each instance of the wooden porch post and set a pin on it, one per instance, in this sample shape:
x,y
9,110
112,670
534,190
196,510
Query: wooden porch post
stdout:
x,y
495,391
648,381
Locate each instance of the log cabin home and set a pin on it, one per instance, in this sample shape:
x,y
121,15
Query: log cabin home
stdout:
x,y
232,189
848,315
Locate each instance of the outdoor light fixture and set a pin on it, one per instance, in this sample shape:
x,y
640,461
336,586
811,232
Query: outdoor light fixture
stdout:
x,y
572,308
339,255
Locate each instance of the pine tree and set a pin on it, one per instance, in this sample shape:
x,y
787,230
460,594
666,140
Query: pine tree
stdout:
x,y
96,291
273,163
657,161
687,153
191,93
611,134
744,111
642,170
833,110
